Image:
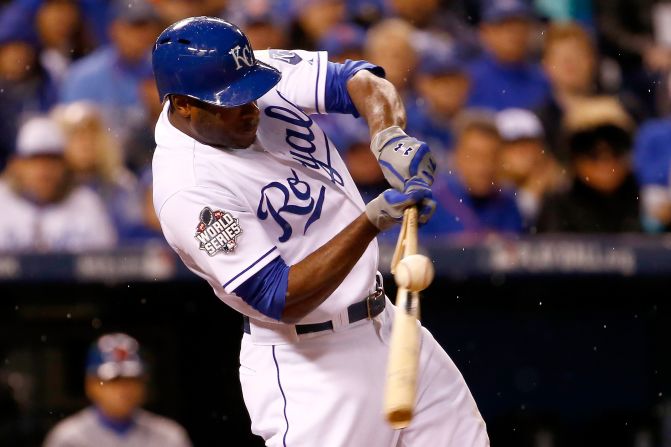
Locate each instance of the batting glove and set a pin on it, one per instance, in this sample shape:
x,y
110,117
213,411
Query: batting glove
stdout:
x,y
386,210
402,157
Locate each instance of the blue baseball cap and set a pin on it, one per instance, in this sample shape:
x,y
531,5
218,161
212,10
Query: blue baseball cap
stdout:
x,y
501,10
114,356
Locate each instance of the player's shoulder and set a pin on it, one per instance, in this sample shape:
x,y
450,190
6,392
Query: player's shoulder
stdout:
x,y
71,428
287,60
170,432
5,190
171,208
182,177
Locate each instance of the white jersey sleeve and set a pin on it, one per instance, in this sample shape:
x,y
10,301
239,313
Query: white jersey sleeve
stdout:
x,y
217,238
303,76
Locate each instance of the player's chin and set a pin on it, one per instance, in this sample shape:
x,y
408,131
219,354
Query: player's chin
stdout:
x,y
246,139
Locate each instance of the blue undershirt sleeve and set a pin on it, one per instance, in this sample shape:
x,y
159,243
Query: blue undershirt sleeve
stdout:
x,y
336,96
266,291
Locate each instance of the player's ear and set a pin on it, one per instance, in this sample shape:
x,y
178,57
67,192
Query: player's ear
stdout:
x,y
182,105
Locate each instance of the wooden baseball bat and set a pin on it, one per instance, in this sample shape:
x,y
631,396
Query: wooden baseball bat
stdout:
x,y
400,387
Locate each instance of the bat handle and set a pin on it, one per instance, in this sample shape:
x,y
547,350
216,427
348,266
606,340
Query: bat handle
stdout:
x,y
407,238
410,221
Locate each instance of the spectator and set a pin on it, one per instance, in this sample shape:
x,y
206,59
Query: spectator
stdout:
x,y
524,163
652,164
470,201
18,17
111,75
238,11
503,77
604,195
635,35
42,209
570,62
95,160
389,44
365,12
173,10
438,29
263,31
116,384
442,85
139,143
25,89
60,28
313,19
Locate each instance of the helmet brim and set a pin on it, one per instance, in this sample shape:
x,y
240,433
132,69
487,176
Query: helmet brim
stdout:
x,y
258,80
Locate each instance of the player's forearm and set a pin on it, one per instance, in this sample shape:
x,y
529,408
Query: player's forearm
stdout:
x,y
377,101
314,279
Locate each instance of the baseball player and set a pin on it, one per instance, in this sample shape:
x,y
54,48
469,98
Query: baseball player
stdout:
x,y
255,199
116,385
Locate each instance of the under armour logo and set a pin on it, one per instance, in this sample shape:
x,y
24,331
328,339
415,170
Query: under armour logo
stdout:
x,y
244,55
401,147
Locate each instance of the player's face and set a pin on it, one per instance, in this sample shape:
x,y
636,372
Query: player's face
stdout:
x,y
117,398
224,127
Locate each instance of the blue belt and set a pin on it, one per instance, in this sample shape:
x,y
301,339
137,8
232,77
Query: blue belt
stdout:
x,y
369,307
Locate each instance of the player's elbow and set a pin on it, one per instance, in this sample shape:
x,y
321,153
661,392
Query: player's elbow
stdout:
x,y
297,306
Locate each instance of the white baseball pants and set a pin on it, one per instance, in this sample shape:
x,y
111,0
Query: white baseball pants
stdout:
x,y
326,390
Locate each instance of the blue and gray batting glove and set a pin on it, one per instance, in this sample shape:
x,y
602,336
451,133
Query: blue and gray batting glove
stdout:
x,y
402,157
386,210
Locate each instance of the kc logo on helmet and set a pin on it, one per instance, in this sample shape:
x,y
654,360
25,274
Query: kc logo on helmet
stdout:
x,y
242,56
217,231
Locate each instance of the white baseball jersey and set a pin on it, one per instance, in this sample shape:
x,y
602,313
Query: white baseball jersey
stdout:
x,y
228,213
79,222
84,429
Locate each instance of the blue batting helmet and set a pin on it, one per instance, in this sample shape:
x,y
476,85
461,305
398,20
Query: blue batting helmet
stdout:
x,y
211,60
113,356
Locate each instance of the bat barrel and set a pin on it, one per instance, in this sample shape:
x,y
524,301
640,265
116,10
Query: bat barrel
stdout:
x,y
401,385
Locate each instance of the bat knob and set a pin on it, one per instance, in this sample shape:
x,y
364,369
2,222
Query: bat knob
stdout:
x,y
414,273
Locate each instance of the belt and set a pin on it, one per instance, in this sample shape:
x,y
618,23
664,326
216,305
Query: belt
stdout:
x,y
369,307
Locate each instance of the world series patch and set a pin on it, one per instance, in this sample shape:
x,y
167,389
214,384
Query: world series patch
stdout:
x,y
217,231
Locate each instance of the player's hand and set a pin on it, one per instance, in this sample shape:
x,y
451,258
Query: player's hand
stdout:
x,y
402,157
386,210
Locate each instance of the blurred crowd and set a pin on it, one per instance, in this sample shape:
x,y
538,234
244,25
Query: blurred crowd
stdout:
x,y
545,116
